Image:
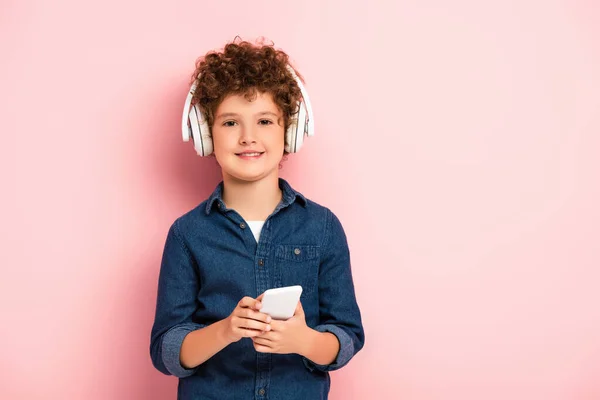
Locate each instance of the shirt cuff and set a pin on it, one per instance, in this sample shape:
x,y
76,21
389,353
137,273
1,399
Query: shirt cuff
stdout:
x,y
344,355
171,349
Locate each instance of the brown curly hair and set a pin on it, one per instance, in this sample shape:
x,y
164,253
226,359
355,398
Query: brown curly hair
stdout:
x,y
245,68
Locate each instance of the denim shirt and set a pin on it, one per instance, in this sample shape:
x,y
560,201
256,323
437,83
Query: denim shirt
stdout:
x,y
211,260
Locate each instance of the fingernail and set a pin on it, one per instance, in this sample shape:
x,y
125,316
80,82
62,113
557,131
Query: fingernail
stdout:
x,y
268,319
268,327
258,305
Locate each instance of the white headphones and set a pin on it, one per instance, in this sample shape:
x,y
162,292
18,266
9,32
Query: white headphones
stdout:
x,y
194,125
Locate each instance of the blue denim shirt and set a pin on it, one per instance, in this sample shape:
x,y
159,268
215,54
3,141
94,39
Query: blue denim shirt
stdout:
x,y
211,261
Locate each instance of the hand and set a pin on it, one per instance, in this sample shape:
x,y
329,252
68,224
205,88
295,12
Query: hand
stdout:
x,y
246,320
285,337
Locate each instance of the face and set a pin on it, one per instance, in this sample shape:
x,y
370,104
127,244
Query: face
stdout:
x,y
248,137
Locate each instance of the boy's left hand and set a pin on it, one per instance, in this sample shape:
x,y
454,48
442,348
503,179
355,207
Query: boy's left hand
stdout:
x,y
285,337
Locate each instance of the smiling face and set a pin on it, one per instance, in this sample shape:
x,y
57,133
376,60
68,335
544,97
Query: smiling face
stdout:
x,y
248,137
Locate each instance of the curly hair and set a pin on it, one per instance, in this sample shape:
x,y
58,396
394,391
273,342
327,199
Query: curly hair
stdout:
x,y
244,68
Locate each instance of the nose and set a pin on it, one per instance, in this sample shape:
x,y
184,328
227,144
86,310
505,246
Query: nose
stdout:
x,y
247,135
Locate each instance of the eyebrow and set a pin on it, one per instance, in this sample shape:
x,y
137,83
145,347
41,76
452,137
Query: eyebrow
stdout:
x,y
231,114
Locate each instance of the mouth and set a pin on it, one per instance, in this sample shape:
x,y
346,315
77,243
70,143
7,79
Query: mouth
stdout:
x,y
247,155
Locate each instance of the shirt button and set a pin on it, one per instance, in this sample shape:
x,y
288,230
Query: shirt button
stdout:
x,y
219,205
261,262
243,225
261,392
297,251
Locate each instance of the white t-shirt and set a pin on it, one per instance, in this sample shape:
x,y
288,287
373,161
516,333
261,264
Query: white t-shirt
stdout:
x,y
256,227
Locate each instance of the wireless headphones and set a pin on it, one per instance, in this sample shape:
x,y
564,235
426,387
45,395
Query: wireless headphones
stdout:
x,y
194,124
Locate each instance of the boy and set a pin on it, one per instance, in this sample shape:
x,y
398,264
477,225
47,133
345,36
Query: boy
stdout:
x,y
255,232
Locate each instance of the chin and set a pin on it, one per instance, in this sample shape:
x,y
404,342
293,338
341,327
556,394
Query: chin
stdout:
x,y
251,177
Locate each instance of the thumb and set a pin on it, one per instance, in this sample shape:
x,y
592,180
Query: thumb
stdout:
x,y
299,309
258,303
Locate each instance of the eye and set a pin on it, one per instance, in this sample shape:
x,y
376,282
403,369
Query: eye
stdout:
x,y
265,122
229,123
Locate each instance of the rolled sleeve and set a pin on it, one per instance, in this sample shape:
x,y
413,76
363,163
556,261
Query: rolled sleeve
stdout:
x,y
344,355
339,313
176,304
171,349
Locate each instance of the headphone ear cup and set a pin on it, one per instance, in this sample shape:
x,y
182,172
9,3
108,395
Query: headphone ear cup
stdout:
x,y
195,128
200,132
205,135
186,129
300,128
296,130
290,134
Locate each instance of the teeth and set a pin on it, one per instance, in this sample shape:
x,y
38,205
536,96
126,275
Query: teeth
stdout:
x,y
251,154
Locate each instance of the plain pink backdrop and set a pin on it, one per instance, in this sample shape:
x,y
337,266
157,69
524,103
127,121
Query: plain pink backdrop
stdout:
x,y
458,142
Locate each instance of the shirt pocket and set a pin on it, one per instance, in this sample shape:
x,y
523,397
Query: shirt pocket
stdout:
x,y
298,265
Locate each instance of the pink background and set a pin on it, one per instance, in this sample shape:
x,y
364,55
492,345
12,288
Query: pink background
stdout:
x,y
457,143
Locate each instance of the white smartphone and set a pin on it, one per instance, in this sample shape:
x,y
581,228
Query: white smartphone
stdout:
x,y
280,303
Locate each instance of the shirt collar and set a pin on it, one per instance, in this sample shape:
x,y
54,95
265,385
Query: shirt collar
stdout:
x,y
289,196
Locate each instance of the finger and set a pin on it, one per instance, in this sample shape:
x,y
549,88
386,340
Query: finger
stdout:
x,y
255,315
248,323
247,302
262,342
262,349
258,303
299,309
269,336
277,326
249,333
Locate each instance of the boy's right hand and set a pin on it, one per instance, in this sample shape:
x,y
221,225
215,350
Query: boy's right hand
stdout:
x,y
246,320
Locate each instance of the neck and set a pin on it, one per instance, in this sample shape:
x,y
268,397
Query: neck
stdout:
x,y
254,201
